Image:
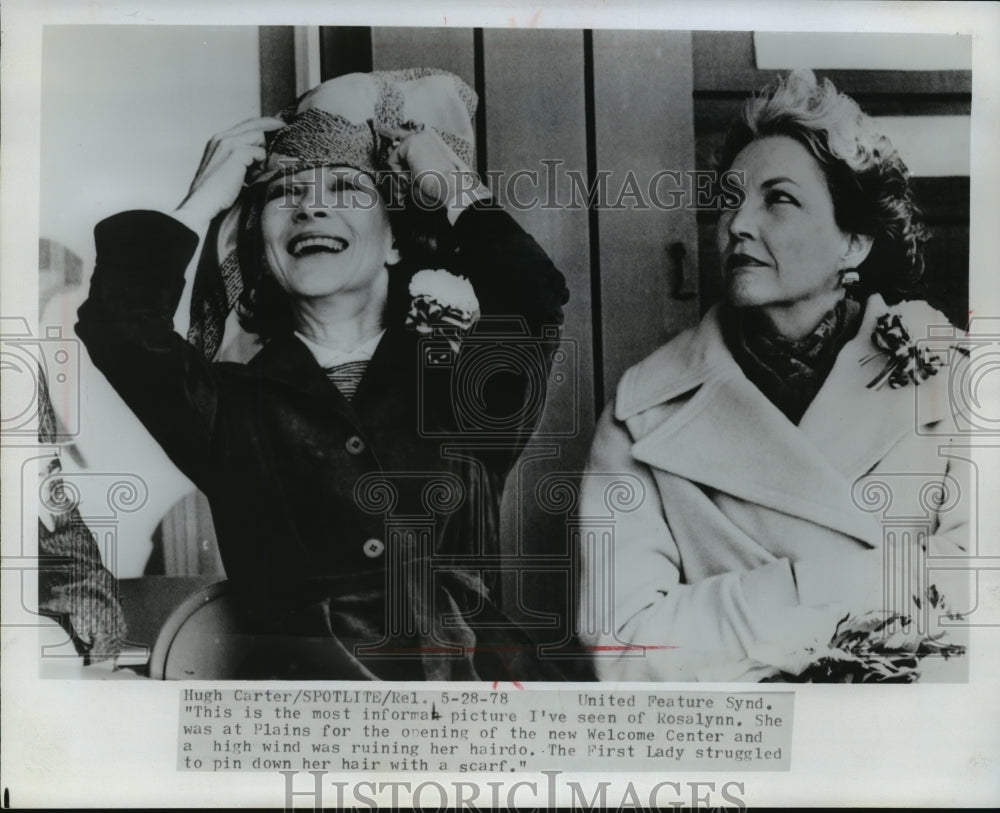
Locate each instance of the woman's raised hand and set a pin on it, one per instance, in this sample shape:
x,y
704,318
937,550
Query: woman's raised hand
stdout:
x,y
436,175
223,167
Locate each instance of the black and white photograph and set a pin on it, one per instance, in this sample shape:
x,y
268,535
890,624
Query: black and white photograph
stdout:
x,y
502,394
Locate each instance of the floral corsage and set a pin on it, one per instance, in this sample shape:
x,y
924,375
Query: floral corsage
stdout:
x,y
442,303
907,360
876,647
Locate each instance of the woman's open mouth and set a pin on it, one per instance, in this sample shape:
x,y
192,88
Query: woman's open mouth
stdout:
x,y
306,244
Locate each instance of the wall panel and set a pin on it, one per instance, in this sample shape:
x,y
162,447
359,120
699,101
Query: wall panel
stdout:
x,y
535,111
447,48
644,124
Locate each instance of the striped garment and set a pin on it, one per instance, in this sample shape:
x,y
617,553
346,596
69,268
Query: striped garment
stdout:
x,y
346,377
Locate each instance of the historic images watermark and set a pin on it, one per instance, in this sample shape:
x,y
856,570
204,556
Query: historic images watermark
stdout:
x,y
547,791
548,186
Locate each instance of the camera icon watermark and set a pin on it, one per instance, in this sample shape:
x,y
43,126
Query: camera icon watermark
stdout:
x,y
492,384
30,365
970,362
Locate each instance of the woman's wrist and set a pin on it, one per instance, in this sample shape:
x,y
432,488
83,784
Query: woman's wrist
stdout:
x,y
193,218
853,580
464,198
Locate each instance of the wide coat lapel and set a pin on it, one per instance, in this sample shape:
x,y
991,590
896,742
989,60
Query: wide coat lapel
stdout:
x,y
854,425
713,426
391,373
287,360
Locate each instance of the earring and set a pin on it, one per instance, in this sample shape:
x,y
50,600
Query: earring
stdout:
x,y
849,278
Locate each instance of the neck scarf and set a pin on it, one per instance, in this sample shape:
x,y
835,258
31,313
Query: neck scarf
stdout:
x,y
790,372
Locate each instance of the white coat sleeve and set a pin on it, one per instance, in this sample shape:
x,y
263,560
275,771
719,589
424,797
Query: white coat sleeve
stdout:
x,y
640,618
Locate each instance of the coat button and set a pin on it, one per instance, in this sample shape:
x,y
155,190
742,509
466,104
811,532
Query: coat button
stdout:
x,y
373,548
355,445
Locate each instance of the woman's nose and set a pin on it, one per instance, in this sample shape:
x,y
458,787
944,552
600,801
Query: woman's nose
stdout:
x,y
312,199
741,222
304,212
311,204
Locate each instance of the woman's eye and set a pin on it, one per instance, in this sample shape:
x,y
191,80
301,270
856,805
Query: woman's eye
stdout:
x,y
337,194
776,196
341,193
283,192
727,203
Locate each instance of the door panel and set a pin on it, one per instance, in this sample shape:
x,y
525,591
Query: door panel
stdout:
x,y
449,49
644,125
535,111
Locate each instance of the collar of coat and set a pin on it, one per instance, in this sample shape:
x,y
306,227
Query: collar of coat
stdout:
x,y
694,413
393,369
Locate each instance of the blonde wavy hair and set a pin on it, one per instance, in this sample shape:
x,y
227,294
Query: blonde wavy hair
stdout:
x,y
868,181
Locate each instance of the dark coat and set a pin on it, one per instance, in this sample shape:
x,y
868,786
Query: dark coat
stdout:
x,y
329,512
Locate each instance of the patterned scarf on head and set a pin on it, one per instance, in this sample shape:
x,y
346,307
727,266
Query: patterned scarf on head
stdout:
x,y
341,122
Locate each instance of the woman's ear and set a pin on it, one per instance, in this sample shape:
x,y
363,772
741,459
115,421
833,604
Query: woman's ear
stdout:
x,y
859,246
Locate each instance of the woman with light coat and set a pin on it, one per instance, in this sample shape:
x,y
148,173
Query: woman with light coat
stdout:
x,y
775,493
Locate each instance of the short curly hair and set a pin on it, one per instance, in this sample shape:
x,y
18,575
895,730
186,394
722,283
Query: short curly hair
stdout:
x,y
868,181
422,236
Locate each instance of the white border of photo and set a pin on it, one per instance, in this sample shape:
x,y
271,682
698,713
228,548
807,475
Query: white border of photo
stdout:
x,y
99,743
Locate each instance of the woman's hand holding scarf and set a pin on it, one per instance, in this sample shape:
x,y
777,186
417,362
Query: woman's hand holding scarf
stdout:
x,y
431,171
223,167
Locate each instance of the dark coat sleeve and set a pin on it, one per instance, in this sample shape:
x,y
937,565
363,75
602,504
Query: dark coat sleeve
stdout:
x,y
497,387
127,326
512,275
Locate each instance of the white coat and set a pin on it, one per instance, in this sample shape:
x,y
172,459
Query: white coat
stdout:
x,y
719,539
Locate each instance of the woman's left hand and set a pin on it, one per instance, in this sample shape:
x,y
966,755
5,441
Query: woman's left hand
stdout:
x,y
435,174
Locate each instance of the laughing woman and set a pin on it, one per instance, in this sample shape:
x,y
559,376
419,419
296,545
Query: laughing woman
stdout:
x,y
352,497
787,460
